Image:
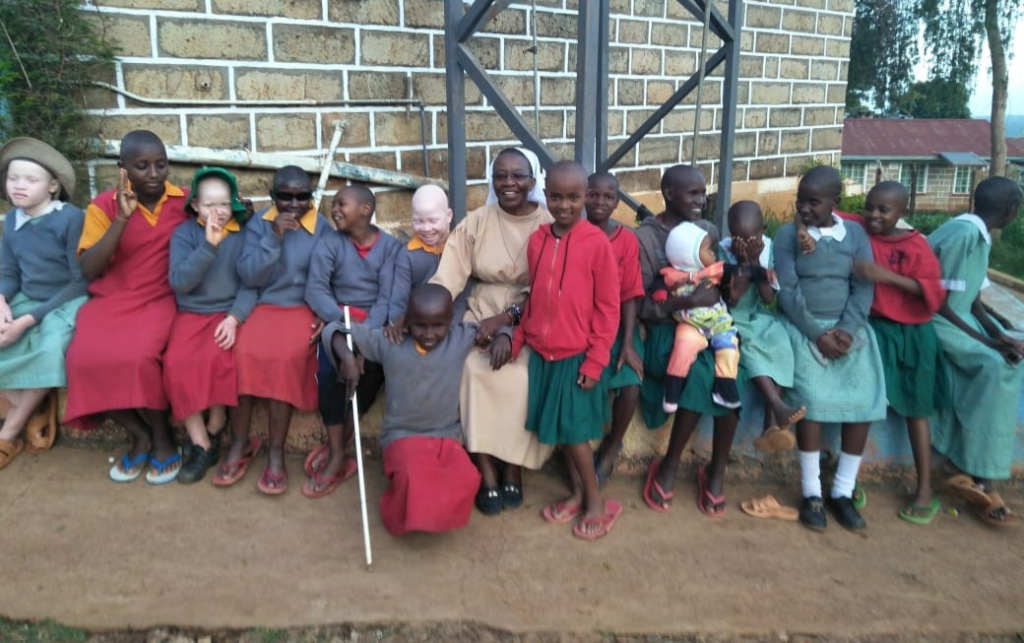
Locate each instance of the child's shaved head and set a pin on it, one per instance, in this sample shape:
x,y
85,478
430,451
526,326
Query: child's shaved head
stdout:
x,y
290,174
893,190
362,195
746,219
568,169
430,299
603,177
823,180
136,141
995,196
678,175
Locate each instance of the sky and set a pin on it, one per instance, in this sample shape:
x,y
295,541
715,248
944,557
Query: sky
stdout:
x,y
981,99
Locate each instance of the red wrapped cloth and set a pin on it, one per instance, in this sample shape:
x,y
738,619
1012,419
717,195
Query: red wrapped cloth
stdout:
x,y
275,358
433,483
198,374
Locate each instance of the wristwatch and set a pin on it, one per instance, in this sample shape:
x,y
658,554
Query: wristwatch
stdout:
x,y
515,314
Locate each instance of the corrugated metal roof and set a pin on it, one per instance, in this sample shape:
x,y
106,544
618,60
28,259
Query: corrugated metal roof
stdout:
x,y
897,137
963,158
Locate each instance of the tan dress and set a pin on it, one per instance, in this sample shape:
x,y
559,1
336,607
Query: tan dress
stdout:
x,y
489,246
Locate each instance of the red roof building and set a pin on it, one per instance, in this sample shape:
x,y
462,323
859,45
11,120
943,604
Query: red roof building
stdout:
x,y
941,158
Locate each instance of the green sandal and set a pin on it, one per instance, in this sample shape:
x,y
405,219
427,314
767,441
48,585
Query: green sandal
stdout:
x,y
859,497
921,514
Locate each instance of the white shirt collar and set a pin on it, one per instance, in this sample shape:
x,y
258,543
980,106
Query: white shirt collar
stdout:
x,y
20,218
976,220
837,231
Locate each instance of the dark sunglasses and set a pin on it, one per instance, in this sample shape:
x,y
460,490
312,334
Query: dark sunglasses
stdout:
x,y
516,176
293,196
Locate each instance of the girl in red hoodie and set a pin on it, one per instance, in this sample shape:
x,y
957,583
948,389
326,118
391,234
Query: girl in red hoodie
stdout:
x,y
569,323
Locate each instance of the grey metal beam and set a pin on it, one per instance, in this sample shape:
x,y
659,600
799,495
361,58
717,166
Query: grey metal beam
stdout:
x,y
588,55
501,105
455,95
718,23
655,118
730,86
475,16
601,149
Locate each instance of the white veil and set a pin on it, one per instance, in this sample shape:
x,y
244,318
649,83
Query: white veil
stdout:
x,y
536,194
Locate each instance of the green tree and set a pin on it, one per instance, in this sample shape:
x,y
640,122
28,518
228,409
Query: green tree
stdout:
x,y
934,98
955,31
49,51
883,52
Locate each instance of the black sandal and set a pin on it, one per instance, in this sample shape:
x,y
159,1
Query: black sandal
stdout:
x,y
488,501
511,496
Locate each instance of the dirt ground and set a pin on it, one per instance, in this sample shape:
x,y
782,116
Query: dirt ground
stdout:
x,y
85,552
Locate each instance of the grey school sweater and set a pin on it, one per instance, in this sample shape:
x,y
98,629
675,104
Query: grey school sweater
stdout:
x,y
276,266
205,278
41,259
339,276
821,285
415,268
423,390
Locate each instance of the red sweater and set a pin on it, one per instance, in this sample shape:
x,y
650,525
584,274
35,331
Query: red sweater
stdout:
x,y
574,298
626,250
908,255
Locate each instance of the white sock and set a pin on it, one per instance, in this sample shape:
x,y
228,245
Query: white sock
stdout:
x,y
810,473
846,475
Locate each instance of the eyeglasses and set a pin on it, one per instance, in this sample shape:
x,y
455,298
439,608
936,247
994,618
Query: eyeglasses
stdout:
x,y
515,176
293,196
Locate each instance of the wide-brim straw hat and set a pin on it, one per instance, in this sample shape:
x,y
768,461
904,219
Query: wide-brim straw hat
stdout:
x,y
238,208
40,153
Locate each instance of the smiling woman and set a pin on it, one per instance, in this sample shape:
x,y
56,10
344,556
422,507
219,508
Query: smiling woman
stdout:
x,y
489,246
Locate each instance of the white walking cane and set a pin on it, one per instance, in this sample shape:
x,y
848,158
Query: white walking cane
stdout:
x,y
359,456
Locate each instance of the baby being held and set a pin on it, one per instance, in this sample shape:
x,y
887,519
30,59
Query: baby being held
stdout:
x,y
691,252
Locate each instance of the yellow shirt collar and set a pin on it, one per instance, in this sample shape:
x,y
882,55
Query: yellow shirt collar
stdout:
x,y
169,190
231,226
308,220
417,244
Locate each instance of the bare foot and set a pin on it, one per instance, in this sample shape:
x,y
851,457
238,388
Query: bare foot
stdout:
x,y
788,416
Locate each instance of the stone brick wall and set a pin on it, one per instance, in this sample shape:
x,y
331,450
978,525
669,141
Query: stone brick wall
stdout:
x,y
791,90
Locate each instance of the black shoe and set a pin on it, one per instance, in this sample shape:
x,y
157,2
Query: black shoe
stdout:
x,y
846,514
488,501
724,393
197,461
812,514
511,496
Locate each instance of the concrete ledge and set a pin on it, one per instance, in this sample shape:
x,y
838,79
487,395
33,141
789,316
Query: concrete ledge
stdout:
x,y
888,452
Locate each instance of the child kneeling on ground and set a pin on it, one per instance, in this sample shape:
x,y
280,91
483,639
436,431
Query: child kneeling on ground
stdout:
x,y
433,481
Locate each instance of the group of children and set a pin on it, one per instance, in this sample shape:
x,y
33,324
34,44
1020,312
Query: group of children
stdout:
x,y
191,303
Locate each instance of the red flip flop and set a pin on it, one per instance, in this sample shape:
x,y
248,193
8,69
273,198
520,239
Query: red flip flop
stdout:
x,y
279,480
561,512
652,484
328,485
316,459
612,511
231,472
703,494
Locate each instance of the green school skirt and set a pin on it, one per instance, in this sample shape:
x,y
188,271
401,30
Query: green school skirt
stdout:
x,y
912,362
696,395
848,389
614,380
558,410
36,360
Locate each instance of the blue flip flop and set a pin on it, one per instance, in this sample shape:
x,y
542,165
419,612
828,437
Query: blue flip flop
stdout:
x,y
122,471
157,475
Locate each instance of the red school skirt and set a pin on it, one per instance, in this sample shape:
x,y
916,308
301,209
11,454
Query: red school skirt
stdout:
x,y
433,483
198,374
115,358
275,358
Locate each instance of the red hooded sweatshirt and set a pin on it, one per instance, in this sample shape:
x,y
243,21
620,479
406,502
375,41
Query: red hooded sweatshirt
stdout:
x,y
574,297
